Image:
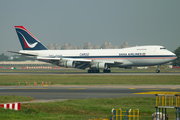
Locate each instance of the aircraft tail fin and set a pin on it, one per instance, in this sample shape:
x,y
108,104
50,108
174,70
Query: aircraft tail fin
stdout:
x,y
27,40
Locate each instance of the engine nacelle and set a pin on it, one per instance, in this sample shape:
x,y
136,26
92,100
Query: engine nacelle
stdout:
x,y
67,64
99,66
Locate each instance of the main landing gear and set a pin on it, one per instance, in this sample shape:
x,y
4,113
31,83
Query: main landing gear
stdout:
x,y
97,71
106,71
158,69
93,71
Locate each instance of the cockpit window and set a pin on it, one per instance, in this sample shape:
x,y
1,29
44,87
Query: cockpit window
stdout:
x,y
162,48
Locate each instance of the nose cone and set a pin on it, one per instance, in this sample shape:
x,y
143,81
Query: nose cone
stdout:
x,y
173,55
170,57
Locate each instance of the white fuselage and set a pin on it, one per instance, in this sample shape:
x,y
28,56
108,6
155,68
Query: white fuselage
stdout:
x,y
134,56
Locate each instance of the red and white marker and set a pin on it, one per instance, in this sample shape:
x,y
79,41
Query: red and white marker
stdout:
x,y
14,106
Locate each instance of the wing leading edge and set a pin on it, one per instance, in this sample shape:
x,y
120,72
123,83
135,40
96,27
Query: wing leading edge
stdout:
x,y
77,63
68,62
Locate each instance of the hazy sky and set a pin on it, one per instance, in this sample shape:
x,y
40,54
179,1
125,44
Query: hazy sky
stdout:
x,y
138,22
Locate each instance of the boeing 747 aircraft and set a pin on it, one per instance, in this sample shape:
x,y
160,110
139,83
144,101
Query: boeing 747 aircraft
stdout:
x,y
94,59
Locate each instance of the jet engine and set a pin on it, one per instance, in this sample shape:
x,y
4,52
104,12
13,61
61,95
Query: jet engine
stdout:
x,y
67,64
99,66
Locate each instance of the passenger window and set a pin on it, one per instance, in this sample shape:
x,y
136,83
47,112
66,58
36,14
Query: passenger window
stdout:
x,y
162,48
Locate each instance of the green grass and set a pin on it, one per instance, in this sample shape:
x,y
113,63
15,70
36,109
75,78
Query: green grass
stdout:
x,y
10,99
84,109
91,79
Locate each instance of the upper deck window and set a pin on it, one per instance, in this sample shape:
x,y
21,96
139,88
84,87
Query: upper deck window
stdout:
x,y
162,48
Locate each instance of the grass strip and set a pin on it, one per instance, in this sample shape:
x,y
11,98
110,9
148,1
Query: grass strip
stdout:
x,y
11,99
72,70
84,109
91,79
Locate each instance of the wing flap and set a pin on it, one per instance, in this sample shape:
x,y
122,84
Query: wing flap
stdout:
x,y
119,62
64,59
77,60
46,58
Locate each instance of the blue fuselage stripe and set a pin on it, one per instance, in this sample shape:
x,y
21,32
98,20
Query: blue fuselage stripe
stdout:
x,y
146,56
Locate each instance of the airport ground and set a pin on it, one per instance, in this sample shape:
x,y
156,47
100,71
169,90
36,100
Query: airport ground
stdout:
x,y
83,96
114,71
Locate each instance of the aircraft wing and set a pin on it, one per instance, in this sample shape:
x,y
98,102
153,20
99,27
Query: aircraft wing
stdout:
x,y
64,59
79,63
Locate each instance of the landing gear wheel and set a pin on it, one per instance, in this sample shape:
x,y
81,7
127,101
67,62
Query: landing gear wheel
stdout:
x,y
93,71
96,71
157,71
106,71
90,71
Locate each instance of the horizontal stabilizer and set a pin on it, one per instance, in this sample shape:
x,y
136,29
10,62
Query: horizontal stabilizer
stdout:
x,y
24,53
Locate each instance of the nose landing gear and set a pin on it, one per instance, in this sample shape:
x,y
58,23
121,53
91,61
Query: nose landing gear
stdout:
x,y
158,69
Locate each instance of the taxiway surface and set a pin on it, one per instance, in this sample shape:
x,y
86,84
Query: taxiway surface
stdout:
x,y
82,92
80,73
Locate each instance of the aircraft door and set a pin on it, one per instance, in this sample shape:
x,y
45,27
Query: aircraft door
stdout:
x,y
154,49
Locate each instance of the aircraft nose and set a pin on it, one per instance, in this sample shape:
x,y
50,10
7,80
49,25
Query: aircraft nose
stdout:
x,y
174,56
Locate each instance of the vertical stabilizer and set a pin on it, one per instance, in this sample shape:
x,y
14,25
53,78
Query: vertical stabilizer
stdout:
x,y
27,40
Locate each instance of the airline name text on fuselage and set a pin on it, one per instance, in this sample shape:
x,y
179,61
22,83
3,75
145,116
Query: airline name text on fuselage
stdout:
x,y
130,54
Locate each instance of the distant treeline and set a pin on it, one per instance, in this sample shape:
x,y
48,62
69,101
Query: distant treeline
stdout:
x,y
177,61
12,58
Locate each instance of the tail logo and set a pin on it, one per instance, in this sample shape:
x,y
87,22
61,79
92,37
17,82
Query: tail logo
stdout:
x,y
27,45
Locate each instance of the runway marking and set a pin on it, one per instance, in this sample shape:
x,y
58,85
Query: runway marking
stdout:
x,y
99,94
76,88
159,92
131,88
152,89
28,88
